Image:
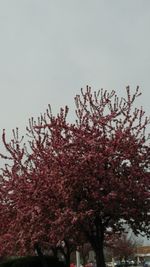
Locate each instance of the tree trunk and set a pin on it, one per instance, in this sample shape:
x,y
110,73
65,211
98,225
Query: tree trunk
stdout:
x,y
97,242
68,260
100,260
39,253
66,252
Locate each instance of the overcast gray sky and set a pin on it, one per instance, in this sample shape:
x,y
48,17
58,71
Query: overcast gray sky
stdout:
x,y
49,49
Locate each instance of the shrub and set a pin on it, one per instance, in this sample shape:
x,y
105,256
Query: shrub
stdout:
x,y
33,261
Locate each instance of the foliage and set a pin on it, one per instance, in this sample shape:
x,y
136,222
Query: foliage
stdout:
x,y
77,180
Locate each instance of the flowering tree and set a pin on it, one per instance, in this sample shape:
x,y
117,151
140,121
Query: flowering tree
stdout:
x,y
121,247
78,179
124,248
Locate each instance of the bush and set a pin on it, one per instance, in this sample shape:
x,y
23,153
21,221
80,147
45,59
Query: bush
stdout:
x,y
33,261
7,263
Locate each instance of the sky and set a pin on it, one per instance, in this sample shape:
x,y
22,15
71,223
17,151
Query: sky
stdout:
x,y
49,49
